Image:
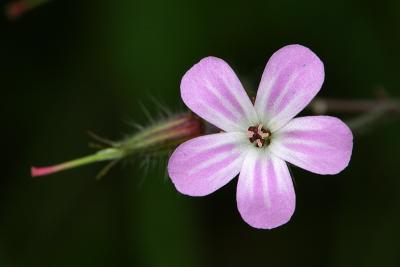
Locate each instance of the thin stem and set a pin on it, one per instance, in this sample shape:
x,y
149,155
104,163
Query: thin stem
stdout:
x,y
16,8
372,111
102,155
332,105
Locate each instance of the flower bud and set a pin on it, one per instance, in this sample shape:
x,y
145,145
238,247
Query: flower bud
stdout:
x,y
156,139
164,135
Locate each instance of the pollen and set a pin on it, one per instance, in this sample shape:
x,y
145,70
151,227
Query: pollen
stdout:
x,y
259,136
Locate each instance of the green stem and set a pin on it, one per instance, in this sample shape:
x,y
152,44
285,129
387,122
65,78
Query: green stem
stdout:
x,y
102,155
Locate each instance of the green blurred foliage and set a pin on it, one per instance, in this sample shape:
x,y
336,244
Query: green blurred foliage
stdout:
x,y
72,66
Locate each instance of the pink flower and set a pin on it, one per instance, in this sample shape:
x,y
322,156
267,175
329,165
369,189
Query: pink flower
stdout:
x,y
257,140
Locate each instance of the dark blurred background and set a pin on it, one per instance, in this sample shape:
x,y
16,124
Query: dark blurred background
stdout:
x,y
72,66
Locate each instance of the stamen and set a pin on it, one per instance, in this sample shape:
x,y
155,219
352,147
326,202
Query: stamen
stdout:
x,y
259,135
259,143
265,135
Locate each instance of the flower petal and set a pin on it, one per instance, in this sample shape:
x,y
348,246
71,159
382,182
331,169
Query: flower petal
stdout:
x,y
202,165
320,144
291,79
213,91
265,194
